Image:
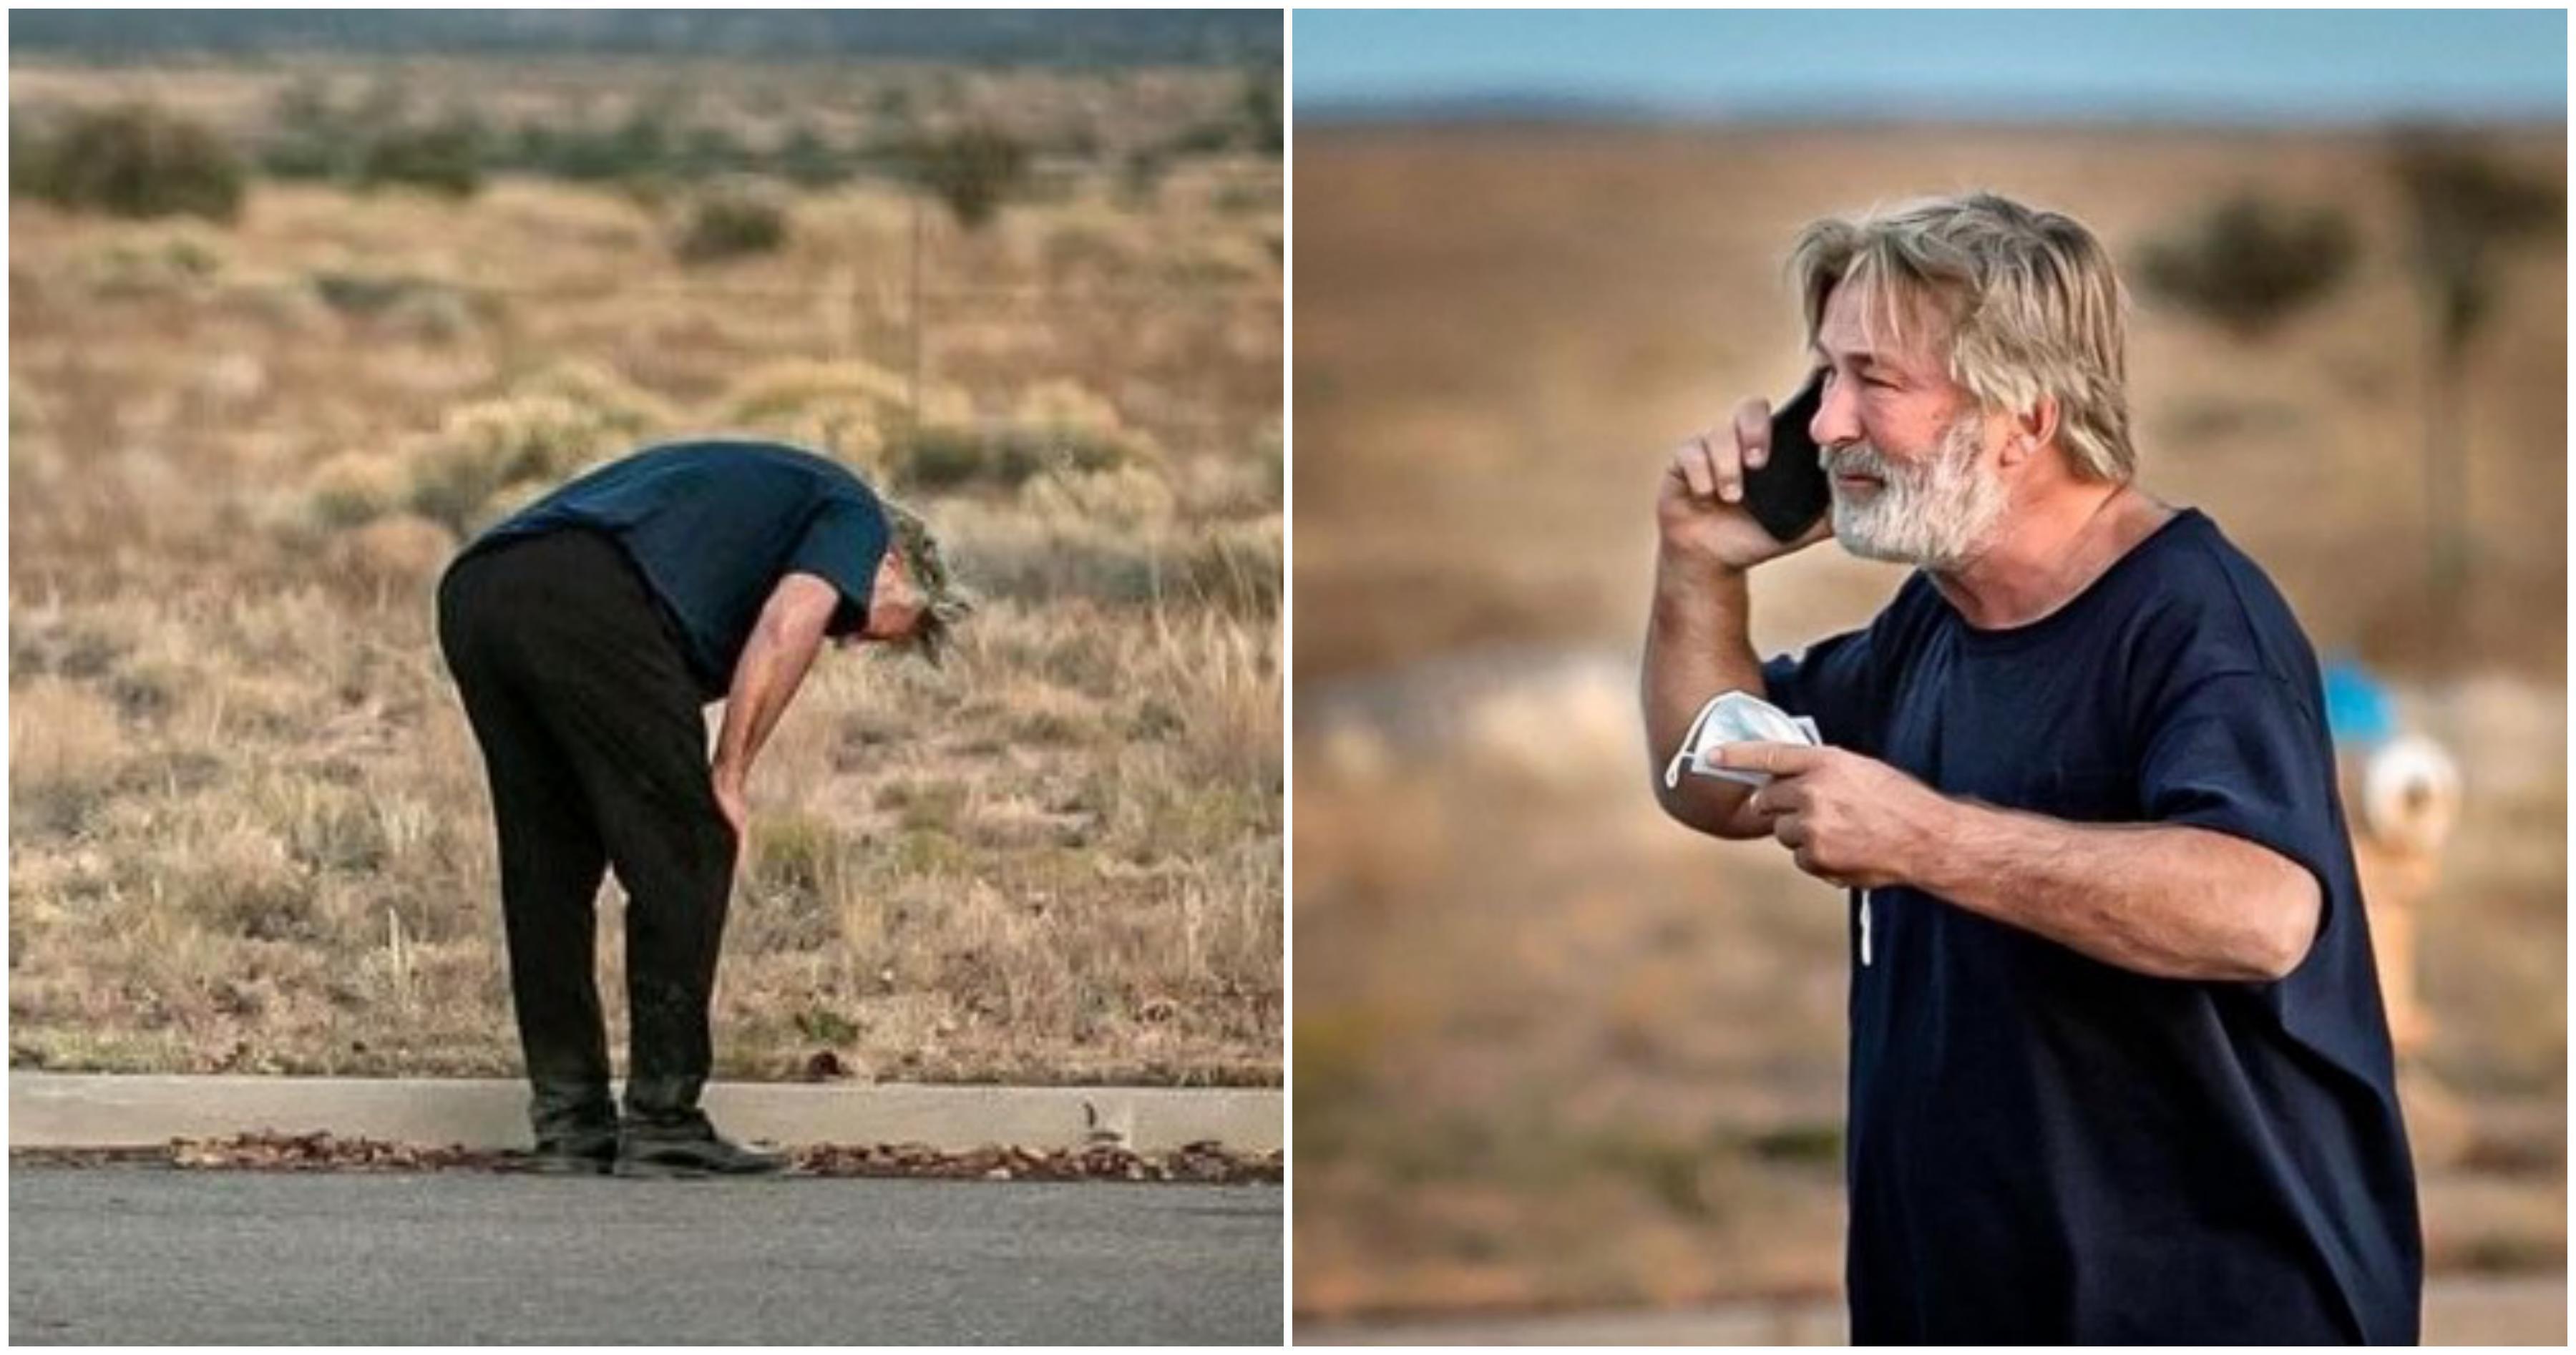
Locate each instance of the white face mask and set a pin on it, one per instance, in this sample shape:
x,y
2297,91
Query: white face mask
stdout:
x,y
1736,717
1939,514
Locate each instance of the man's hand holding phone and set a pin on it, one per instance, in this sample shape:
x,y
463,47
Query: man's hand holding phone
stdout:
x,y
1705,508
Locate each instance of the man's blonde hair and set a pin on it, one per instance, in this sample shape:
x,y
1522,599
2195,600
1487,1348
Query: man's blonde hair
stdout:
x,y
2028,298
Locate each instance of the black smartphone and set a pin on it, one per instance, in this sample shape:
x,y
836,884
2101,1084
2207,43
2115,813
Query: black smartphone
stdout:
x,y
1788,492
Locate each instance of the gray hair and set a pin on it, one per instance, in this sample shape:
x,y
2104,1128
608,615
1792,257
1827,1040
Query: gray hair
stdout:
x,y
944,604
2029,300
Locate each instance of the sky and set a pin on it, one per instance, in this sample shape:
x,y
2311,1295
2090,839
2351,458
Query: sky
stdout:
x,y
2208,65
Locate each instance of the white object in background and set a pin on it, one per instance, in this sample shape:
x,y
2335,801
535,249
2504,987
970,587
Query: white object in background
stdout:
x,y
2410,793
1736,717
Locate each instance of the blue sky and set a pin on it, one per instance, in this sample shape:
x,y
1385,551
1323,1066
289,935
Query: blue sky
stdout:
x,y
2262,65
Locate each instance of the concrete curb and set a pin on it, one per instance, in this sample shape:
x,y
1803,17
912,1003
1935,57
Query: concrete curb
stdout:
x,y
75,1110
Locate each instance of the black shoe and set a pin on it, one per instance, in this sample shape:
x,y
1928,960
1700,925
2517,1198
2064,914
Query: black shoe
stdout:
x,y
689,1148
579,1154
575,1126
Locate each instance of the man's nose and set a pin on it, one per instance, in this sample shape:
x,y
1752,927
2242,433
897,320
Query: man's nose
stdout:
x,y
1837,418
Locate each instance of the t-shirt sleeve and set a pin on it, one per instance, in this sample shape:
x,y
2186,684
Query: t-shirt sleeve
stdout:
x,y
843,545
2241,753
1831,684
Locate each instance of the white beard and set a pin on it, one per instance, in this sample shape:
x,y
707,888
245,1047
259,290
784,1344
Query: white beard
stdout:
x,y
1940,515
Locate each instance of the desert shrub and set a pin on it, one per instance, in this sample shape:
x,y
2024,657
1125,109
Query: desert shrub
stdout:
x,y
642,144
372,143
307,137
1206,138
1128,499
404,307
355,488
496,446
1080,430
850,409
1003,552
1057,427
646,143
529,147
1225,486
805,158
2249,263
1243,199
731,221
492,454
1103,535
950,457
362,294
1068,408
706,150
614,399
1253,124
138,161
972,171
1006,454
444,159
151,268
438,315
1264,129
786,387
26,157
390,554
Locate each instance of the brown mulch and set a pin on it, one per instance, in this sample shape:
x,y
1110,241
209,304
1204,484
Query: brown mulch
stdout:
x,y
1206,1163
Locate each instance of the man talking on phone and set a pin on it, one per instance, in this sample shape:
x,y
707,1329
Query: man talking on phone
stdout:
x,y
2119,1066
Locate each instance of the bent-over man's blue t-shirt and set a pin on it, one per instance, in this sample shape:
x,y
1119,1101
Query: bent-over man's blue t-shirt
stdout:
x,y
713,526
2045,1148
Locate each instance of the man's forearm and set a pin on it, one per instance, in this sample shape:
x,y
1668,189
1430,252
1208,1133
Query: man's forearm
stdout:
x,y
1697,645
2168,901
773,665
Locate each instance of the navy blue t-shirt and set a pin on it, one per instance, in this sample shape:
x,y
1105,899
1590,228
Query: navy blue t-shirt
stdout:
x,y
713,526
2045,1148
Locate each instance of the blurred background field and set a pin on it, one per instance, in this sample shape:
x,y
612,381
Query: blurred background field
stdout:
x,y
297,308
1554,1051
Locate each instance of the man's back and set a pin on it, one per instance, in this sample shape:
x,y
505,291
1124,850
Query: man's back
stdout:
x,y
713,525
2046,1147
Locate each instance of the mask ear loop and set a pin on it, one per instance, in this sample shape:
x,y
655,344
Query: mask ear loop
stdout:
x,y
1690,743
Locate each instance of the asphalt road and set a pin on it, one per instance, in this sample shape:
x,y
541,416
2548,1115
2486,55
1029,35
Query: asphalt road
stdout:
x,y
151,1256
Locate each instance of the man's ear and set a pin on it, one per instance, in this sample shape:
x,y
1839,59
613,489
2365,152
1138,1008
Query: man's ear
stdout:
x,y
2032,429
890,571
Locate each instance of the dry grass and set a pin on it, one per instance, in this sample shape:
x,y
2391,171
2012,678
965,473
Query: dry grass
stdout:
x,y
1553,1050
250,826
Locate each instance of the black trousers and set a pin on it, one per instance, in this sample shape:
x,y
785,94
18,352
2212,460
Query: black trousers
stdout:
x,y
592,733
